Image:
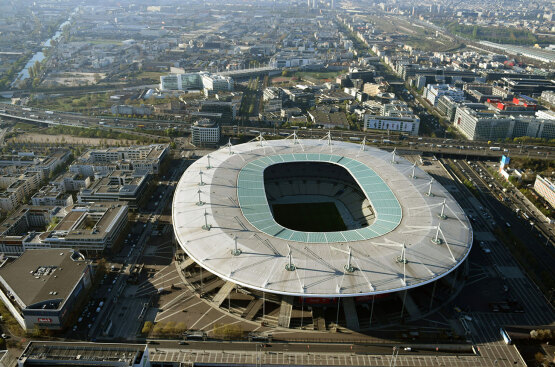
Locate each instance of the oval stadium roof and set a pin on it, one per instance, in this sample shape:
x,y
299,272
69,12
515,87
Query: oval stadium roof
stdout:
x,y
407,245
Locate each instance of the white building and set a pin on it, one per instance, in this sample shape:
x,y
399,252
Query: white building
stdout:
x,y
51,195
545,114
487,125
101,162
394,116
196,81
434,91
546,189
205,132
392,123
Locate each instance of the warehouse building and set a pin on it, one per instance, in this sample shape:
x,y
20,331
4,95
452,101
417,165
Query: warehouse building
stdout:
x,y
41,287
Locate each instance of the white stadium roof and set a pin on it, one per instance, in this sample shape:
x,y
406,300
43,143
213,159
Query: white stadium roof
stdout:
x,y
234,206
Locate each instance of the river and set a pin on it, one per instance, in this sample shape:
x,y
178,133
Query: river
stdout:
x,y
39,56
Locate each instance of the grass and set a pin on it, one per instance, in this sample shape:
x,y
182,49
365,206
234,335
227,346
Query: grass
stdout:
x,y
309,217
320,75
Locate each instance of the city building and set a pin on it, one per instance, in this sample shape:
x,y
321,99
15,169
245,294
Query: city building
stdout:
x,y
131,110
546,189
392,123
89,228
328,119
84,354
41,287
128,186
100,162
15,188
546,114
71,181
394,116
434,91
448,107
51,195
486,124
205,132
227,110
548,97
303,98
190,81
196,81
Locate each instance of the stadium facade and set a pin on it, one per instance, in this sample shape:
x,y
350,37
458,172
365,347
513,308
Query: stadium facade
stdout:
x,y
290,231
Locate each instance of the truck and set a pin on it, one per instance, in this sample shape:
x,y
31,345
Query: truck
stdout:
x,y
494,149
49,112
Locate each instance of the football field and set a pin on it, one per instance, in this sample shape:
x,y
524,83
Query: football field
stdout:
x,y
309,217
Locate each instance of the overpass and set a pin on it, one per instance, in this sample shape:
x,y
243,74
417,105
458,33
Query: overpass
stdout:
x,y
248,73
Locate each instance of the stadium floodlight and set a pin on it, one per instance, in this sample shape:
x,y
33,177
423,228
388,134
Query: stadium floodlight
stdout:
x,y
403,260
199,202
208,157
436,239
442,215
413,175
362,146
201,183
290,266
228,145
236,251
348,268
429,193
327,137
206,226
393,156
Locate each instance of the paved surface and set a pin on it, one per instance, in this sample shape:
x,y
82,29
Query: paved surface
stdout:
x,y
490,357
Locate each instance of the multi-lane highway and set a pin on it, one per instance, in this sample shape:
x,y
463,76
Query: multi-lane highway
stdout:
x,y
382,139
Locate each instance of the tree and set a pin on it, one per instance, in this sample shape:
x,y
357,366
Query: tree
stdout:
x,y
147,327
227,331
169,328
180,328
158,327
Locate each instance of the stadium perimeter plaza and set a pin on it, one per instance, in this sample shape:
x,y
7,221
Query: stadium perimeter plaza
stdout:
x,y
396,254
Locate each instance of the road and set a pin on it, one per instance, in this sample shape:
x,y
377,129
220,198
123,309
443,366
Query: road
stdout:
x,y
125,306
425,144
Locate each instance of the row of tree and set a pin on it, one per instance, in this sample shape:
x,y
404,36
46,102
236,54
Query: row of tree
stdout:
x,y
493,34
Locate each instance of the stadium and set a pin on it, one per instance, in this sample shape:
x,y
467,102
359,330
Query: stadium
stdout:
x,y
289,232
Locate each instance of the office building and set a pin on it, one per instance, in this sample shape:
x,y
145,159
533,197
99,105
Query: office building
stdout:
x,y
545,188
485,124
100,162
128,186
51,195
205,132
41,287
434,91
89,228
196,81
393,116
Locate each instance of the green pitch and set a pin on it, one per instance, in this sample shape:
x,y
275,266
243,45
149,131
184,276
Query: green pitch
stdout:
x,y
309,217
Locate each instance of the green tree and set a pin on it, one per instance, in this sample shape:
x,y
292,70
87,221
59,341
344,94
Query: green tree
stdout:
x,y
147,327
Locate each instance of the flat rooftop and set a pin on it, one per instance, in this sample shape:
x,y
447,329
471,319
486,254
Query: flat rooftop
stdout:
x,y
37,273
39,353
